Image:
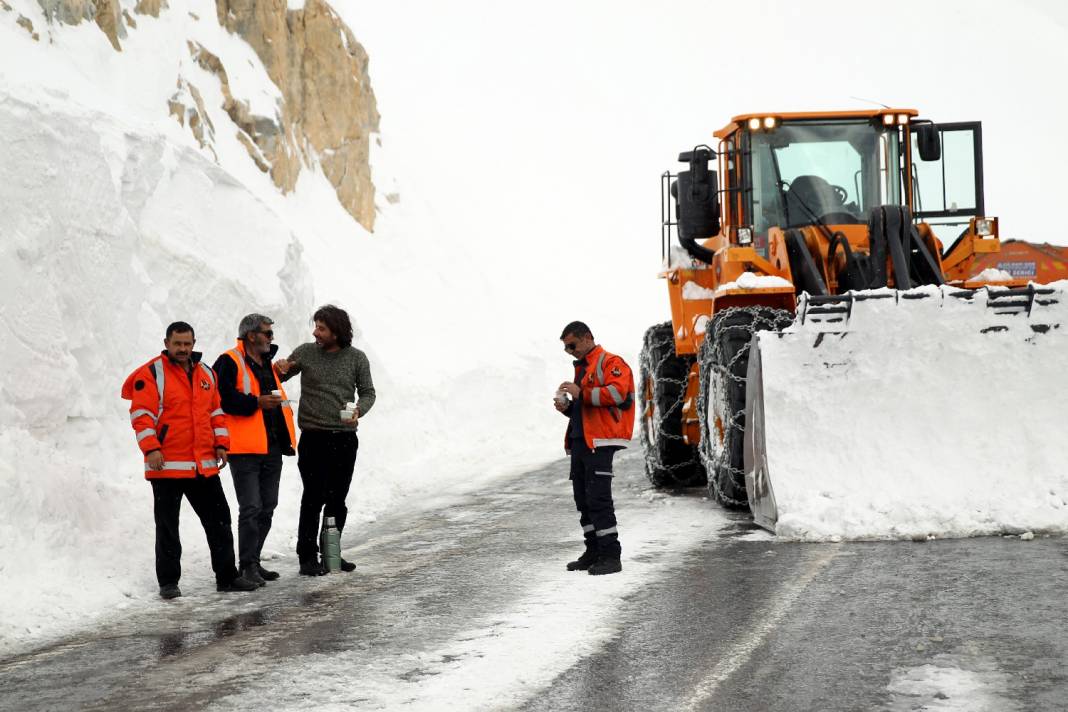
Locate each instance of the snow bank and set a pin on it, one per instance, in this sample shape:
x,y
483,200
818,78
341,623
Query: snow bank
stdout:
x,y
921,417
114,222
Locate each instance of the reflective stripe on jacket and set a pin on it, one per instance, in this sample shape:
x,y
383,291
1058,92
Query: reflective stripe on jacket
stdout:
x,y
248,433
178,414
607,400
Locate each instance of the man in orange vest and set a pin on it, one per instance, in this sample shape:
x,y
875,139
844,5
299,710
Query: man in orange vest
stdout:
x,y
260,421
599,404
177,418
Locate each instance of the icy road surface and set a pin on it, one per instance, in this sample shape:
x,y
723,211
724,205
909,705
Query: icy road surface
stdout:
x,y
467,606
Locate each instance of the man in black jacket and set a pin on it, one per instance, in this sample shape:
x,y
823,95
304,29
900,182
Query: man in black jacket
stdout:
x,y
260,422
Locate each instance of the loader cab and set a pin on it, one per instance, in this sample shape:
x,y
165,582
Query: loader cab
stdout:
x,y
809,171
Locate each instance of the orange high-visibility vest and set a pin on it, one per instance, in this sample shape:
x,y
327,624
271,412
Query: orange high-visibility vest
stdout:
x,y
248,434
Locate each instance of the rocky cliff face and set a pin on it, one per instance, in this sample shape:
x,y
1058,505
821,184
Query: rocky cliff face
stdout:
x,y
327,110
328,107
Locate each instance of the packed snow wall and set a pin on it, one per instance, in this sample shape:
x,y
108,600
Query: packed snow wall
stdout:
x,y
115,219
99,251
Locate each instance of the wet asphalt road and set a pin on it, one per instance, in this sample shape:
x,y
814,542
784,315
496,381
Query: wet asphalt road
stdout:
x,y
737,621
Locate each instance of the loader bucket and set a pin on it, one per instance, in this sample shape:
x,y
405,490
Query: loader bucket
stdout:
x,y
929,412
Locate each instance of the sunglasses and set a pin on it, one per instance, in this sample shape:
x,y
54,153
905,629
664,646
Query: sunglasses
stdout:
x,y
269,333
571,346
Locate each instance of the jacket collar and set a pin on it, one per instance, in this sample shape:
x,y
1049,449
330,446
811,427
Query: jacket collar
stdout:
x,y
589,358
194,357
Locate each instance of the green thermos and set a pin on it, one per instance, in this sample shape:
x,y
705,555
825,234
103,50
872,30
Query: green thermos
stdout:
x,y
330,545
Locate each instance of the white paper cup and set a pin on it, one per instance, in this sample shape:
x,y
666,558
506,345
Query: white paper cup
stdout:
x,y
347,415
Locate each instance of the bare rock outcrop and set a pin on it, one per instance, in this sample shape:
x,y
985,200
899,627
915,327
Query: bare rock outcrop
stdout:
x,y
329,109
327,112
150,7
106,13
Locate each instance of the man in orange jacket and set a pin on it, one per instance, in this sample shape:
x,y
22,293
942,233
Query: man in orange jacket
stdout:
x,y
599,404
177,418
260,421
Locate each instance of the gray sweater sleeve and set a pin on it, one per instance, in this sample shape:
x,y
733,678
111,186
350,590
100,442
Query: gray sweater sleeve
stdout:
x,y
365,388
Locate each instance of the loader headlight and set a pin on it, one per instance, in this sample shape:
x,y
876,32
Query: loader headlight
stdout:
x,y
745,236
902,119
888,119
766,123
984,227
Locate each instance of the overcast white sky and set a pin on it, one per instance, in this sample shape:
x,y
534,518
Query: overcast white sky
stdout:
x,y
541,129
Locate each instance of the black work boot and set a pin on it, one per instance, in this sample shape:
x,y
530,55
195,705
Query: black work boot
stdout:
x,y
583,562
238,584
171,590
265,574
347,566
312,567
252,573
605,564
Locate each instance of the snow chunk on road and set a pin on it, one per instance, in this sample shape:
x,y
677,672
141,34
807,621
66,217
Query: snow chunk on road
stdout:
x,y
949,685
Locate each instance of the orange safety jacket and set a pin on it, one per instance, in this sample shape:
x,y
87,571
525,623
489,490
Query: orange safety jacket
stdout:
x,y
607,400
179,414
248,433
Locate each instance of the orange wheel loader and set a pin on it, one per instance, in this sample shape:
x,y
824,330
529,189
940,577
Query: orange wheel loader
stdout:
x,y
812,295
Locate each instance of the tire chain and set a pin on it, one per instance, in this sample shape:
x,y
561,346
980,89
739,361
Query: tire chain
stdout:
x,y
652,453
760,319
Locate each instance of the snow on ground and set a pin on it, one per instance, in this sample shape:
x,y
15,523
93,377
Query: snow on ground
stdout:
x,y
521,146
951,682
511,652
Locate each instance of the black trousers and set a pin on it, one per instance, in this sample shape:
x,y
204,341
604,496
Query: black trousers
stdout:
x,y
256,479
326,459
205,495
591,482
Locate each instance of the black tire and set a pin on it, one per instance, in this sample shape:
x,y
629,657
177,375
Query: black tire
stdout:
x,y
724,359
669,460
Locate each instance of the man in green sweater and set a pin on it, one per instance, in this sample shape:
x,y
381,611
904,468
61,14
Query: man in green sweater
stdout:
x,y
332,374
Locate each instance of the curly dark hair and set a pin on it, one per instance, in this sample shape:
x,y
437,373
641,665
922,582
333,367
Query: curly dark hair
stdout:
x,y
337,320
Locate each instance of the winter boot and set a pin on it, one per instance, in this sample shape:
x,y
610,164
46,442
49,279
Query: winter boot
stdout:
x,y
252,573
265,574
605,564
311,567
583,562
238,584
347,566
171,590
